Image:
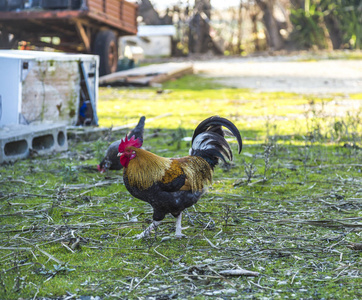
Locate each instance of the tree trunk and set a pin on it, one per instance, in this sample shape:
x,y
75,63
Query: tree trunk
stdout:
x,y
334,31
257,45
199,37
240,29
274,38
148,13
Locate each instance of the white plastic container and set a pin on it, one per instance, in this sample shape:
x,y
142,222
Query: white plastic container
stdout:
x,y
41,87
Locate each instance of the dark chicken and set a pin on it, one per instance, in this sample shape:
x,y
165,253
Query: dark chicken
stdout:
x,y
111,161
171,185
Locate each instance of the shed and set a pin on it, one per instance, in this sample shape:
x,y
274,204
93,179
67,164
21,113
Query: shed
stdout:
x,y
155,40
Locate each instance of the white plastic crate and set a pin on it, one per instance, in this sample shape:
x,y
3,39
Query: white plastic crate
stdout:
x,y
38,87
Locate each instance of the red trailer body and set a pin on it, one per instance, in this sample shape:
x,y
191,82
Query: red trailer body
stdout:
x,y
77,26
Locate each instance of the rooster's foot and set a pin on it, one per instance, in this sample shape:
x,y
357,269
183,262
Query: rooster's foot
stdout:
x,y
147,231
140,236
179,228
180,235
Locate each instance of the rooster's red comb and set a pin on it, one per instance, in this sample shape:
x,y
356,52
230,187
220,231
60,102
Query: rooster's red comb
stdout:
x,y
132,142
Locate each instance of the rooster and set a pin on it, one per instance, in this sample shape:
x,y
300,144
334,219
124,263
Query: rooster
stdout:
x,y
171,185
111,161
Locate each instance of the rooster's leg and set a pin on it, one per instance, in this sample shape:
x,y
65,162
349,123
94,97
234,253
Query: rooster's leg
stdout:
x,y
179,234
153,225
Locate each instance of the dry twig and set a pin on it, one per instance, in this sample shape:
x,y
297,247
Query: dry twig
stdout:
x,y
238,272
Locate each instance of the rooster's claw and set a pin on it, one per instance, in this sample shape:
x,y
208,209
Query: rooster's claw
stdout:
x,y
180,235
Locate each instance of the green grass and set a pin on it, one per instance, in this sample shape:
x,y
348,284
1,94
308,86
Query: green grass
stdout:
x,y
67,230
343,54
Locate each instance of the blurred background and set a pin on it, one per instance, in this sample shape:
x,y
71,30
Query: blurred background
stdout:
x,y
243,27
179,28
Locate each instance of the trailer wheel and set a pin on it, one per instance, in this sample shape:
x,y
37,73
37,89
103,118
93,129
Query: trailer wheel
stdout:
x,y
106,47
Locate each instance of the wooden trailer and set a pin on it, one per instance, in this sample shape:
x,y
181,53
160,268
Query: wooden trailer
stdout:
x,y
76,26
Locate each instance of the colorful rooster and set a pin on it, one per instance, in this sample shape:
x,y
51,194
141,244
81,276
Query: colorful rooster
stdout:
x,y
171,185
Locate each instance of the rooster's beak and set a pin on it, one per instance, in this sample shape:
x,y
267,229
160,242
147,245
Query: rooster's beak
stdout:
x,y
119,154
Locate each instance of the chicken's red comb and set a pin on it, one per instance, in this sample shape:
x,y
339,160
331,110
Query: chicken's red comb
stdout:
x,y
132,142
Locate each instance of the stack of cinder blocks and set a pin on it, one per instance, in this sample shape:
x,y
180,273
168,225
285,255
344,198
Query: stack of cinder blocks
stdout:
x,y
18,141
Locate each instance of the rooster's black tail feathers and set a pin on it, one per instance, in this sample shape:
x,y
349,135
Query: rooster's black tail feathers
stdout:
x,y
209,142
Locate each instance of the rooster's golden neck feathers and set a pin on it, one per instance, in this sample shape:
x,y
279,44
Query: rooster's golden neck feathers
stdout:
x,y
146,169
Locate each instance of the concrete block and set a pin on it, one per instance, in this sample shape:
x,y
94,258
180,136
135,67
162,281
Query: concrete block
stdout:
x,y
17,141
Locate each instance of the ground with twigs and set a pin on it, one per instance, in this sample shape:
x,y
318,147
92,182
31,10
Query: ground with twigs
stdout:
x,y
283,220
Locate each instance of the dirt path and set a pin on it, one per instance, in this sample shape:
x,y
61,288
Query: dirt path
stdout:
x,y
286,74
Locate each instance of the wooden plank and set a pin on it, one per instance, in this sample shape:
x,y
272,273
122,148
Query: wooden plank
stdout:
x,y
56,14
177,73
113,6
147,75
114,12
129,13
83,35
95,5
114,23
142,81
